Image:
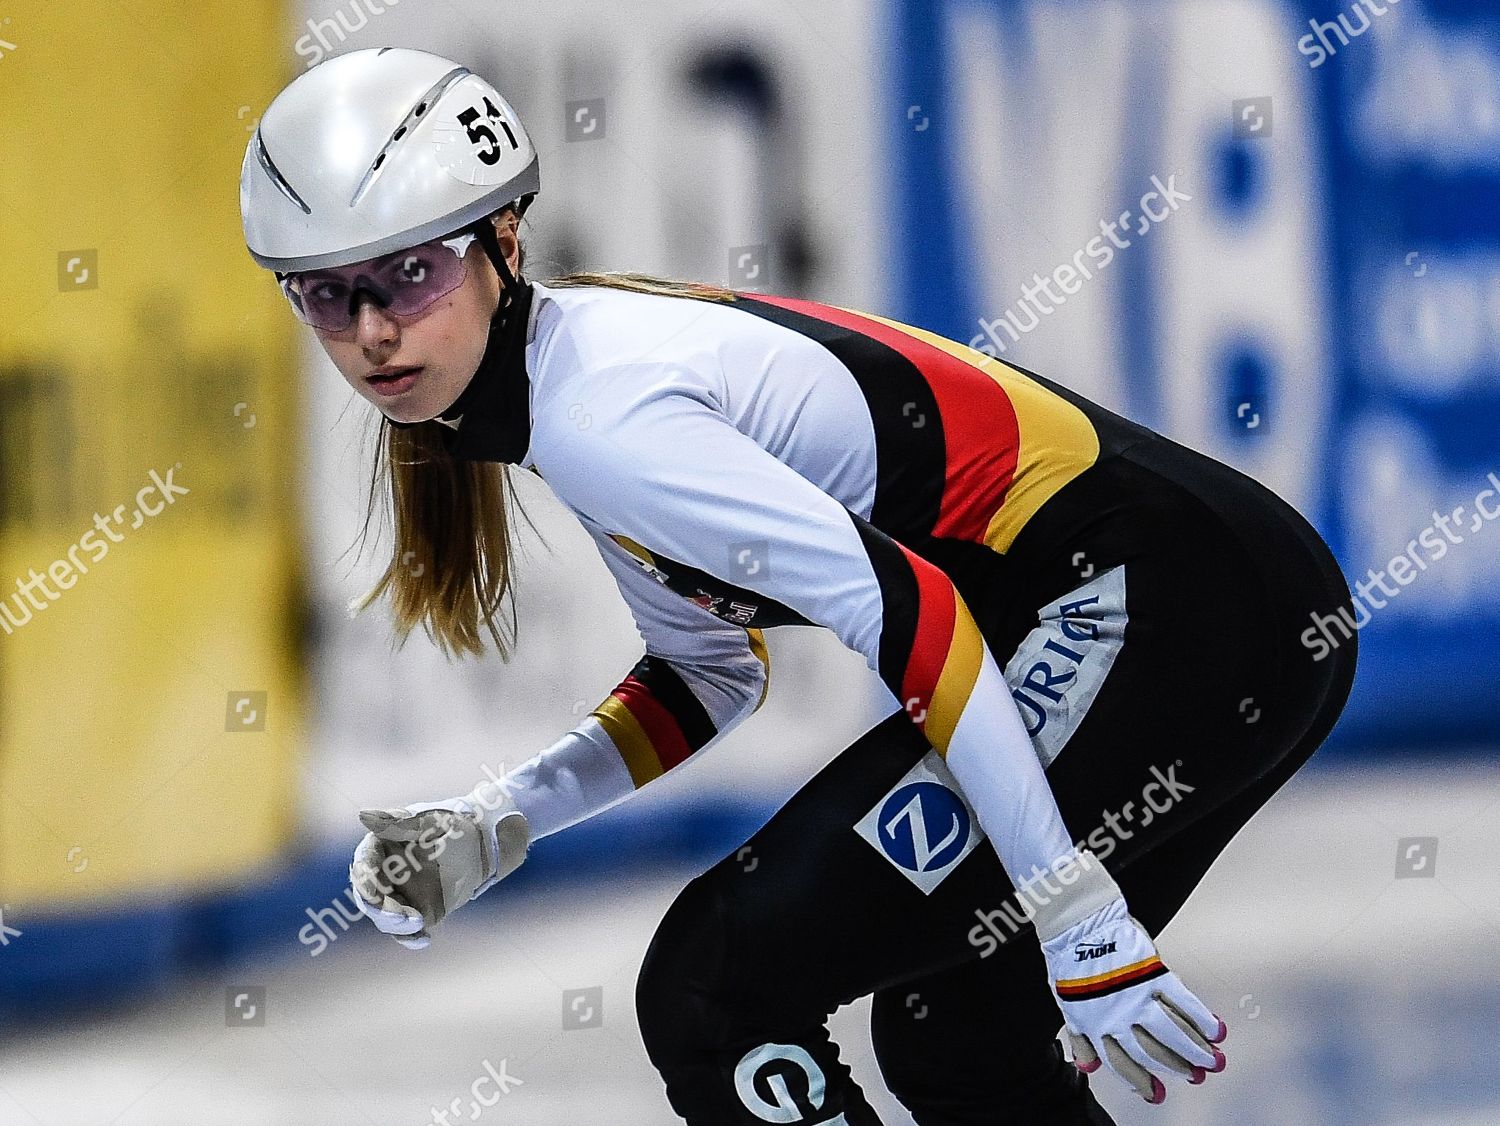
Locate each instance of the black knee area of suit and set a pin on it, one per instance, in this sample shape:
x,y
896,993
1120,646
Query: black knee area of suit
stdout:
x,y
684,992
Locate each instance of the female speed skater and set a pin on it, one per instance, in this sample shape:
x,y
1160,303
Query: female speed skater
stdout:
x,y
1090,633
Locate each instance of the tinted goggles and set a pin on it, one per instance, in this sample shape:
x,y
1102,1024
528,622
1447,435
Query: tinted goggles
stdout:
x,y
405,283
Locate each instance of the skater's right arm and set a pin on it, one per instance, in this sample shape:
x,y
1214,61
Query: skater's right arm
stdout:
x,y
699,678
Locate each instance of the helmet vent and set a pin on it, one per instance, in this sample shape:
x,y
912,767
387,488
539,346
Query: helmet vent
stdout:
x,y
439,88
270,169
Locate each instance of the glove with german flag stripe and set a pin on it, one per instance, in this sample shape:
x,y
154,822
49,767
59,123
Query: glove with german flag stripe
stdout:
x,y
1118,1000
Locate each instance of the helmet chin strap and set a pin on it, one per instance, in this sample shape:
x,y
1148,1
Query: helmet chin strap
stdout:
x,y
510,286
503,327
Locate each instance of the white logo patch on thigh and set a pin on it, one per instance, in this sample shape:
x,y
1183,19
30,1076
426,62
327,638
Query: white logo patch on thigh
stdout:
x,y
1060,665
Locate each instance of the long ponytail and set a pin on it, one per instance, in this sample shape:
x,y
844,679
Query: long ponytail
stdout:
x,y
451,566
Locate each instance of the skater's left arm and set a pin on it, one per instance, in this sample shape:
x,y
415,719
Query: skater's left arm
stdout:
x,y
669,470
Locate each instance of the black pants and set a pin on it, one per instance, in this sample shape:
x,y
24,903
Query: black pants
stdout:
x,y
1208,704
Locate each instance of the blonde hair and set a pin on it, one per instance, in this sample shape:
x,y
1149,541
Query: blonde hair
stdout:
x,y
452,564
645,283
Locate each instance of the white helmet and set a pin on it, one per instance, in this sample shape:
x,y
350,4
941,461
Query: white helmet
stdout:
x,y
375,151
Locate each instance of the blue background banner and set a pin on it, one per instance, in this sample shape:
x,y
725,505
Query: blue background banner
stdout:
x,y
1324,313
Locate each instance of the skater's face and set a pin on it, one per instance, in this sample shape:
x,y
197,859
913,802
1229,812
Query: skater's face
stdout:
x,y
431,354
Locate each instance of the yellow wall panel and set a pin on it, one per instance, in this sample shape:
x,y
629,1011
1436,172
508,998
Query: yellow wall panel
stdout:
x,y
120,146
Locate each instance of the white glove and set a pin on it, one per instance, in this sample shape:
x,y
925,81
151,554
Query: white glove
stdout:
x,y
1117,998
419,862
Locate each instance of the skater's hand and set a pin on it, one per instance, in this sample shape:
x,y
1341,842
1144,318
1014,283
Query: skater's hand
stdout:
x,y
419,862
1121,1005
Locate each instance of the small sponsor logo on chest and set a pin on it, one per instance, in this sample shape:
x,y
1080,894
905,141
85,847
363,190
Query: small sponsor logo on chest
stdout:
x,y
722,599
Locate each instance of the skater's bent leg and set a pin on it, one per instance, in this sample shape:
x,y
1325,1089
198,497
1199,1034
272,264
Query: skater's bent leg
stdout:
x,y
734,1051
757,952
976,1045
1159,882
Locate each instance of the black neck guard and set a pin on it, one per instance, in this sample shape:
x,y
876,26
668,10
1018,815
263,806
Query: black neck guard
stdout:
x,y
494,412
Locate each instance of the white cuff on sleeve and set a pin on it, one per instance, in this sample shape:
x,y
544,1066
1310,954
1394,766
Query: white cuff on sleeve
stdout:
x,y
1075,887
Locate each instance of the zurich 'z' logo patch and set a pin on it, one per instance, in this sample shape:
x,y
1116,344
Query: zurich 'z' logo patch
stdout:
x,y
923,825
